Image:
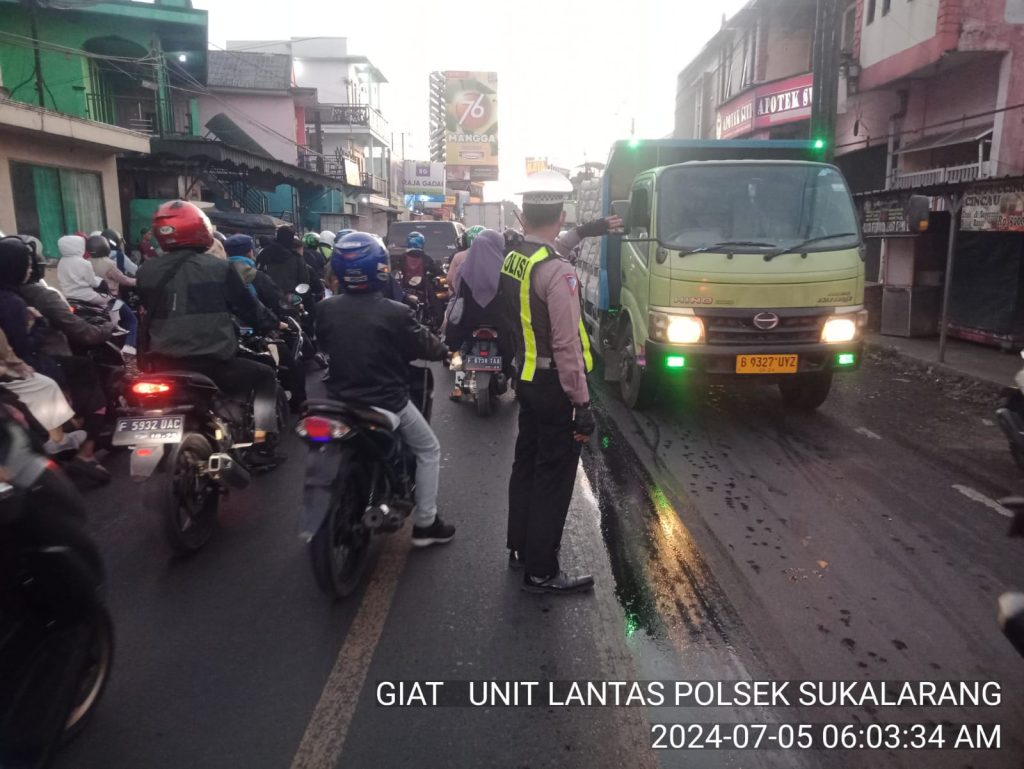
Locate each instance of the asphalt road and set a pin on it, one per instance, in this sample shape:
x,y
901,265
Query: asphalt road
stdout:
x,y
730,539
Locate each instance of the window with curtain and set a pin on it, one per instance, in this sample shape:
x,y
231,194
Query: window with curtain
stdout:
x,y
50,202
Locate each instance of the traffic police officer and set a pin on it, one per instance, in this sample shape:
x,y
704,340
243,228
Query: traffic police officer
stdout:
x,y
540,303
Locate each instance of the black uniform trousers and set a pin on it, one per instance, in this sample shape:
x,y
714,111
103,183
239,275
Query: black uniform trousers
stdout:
x,y
543,473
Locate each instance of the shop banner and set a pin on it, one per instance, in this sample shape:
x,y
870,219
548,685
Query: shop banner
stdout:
x,y
471,120
735,118
884,217
423,177
995,207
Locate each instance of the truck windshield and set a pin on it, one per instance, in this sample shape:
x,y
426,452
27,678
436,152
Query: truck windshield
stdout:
x,y
755,207
441,238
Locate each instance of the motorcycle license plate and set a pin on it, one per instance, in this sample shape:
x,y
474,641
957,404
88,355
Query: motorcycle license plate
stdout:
x,y
766,364
480,363
130,431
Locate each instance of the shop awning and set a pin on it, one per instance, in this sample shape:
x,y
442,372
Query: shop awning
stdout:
x,y
215,153
948,139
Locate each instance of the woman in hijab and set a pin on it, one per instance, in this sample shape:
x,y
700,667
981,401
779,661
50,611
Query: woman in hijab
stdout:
x,y
475,292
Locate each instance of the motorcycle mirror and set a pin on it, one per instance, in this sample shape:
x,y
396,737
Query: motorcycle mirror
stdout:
x,y
415,281
302,288
1011,619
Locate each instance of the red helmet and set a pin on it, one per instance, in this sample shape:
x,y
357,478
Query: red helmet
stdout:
x,y
179,224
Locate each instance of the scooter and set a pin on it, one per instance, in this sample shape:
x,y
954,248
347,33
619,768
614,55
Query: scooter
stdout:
x,y
360,481
187,440
56,635
479,373
1011,417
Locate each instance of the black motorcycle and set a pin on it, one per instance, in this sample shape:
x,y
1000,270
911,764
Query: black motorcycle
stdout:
x,y
1011,605
296,311
479,370
56,635
360,481
1011,417
188,438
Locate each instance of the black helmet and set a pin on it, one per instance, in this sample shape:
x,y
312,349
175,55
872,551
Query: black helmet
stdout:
x,y
15,257
113,236
38,265
97,246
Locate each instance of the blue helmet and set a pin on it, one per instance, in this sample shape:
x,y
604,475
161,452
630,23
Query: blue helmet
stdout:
x,y
343,233
415,240
360,262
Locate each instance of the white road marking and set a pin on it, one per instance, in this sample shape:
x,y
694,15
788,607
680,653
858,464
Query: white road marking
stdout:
x,y
987,422
328,726
977,496
867,433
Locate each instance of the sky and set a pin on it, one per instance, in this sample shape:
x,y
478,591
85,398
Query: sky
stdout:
x,y
572,75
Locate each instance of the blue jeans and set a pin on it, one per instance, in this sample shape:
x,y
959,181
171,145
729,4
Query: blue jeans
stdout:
x,y
420,438
130,323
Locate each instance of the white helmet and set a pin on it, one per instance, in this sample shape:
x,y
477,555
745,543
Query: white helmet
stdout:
x,y
327,238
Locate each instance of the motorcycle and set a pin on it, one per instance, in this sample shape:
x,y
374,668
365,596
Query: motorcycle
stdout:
x,y
1011,605
1011,417
56,635
297,311
360,481
480,372
431,300
187,436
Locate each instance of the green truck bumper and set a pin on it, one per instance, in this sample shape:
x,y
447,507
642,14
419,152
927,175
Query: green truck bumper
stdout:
x,y
721,360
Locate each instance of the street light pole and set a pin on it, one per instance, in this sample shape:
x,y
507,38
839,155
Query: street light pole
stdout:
x,y
825,67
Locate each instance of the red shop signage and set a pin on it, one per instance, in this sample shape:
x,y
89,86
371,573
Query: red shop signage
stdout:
x,y
771,104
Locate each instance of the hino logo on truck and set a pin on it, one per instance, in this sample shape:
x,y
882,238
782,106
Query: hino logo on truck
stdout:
x,y
766,321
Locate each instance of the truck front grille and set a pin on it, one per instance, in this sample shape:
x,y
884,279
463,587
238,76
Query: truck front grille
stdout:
x,y
796,329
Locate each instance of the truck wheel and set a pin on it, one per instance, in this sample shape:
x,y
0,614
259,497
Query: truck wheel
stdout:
x,y
637,384
805,392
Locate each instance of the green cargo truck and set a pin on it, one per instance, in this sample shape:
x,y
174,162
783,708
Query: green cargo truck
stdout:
x,y
739,260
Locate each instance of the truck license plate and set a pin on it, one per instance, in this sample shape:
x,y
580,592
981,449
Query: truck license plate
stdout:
x,y
766,364
130,431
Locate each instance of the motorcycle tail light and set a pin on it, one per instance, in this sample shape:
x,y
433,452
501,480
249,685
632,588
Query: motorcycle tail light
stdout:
x,y
150,388
321,430
485,333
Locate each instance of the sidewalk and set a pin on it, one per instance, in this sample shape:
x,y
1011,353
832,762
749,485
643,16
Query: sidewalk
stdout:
x,y
988,365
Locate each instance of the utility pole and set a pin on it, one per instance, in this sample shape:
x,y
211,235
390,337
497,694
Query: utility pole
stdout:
x,y
40,86
825,66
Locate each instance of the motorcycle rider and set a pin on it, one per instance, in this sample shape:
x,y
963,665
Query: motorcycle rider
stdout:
x,y
239,250
315,264
98,249
283,263
455,266
326,246
370,341
419,271
189,297
119,252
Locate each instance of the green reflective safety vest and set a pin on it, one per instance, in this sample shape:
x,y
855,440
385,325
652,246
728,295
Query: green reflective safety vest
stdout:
x,y
516,271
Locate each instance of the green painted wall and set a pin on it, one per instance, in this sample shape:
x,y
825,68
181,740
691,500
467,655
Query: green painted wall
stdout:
x,y
67,76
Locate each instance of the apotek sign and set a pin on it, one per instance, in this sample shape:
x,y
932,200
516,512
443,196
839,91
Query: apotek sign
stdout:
x,y
771,104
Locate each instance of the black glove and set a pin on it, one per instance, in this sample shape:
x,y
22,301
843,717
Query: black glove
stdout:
x,y
583,421
593,229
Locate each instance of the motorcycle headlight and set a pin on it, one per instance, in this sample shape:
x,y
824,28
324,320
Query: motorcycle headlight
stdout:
x,y
676,329
838,330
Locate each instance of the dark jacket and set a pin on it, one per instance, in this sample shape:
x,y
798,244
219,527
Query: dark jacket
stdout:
x,y
370,341
63,326
189,300
14,324
284,266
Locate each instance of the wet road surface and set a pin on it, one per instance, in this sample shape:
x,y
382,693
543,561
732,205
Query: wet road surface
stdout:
x,y
730,539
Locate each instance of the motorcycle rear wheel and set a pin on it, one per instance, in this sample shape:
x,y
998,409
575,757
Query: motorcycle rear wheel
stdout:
x,y
485,396
188,501
340,548
100,661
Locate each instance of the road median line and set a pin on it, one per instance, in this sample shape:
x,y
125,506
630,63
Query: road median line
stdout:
x,y
325,735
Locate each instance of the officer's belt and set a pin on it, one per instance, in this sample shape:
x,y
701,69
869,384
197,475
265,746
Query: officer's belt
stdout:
x,y
541,363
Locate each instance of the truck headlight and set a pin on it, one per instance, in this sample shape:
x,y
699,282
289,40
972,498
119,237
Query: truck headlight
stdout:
x,y
676,329
838,330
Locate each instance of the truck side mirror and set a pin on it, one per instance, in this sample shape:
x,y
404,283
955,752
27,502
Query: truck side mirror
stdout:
x,y
621,208
918,208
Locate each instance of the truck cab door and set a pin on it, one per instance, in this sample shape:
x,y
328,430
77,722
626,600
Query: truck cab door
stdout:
x,y
636,249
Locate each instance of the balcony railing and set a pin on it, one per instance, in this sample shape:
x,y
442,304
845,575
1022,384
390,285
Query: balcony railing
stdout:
x,y
357,115
936,176
140,113
375,183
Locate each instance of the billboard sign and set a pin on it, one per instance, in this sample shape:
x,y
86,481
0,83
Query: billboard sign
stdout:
x,y
535,165
471,120
994,208
423,177
771,104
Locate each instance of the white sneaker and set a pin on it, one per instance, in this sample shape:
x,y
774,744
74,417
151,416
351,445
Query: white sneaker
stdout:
x,y
72,442
129,350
